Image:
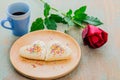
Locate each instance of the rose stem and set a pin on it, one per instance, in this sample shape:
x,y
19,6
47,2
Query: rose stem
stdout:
x,y
54,9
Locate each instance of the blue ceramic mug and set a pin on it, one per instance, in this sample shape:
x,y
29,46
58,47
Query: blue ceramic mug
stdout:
x,y
18,15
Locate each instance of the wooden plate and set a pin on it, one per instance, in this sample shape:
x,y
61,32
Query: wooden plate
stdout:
x,y
40,69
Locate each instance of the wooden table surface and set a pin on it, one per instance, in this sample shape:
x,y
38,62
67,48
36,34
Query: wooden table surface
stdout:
x,y
96,64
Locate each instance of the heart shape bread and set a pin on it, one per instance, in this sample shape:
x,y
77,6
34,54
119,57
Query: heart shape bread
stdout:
x,y
57,51
49,52
36,50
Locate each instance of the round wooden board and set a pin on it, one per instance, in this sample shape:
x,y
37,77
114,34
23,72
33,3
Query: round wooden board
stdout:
x,y
40,69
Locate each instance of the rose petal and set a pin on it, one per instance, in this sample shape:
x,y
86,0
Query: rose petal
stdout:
x,y
85,40
99,43
105,36
94,39
91,42
92,30
84,33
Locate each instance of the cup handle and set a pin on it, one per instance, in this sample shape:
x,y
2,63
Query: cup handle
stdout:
x,y
3,24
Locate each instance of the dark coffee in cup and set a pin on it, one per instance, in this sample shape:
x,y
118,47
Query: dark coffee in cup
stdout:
x,y
18,13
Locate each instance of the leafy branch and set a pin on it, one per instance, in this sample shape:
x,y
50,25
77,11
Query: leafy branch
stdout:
x,y
79,18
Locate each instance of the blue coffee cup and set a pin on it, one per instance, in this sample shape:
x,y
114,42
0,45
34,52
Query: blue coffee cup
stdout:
x,y
18,15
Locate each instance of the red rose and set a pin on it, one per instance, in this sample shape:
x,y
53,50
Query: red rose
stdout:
x,y
94,37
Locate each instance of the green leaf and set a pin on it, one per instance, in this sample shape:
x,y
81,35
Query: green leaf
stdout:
x,y
79,23
69,13
68,19
37,25
57,18
46,9
92,20
80,16
50,24
80,10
